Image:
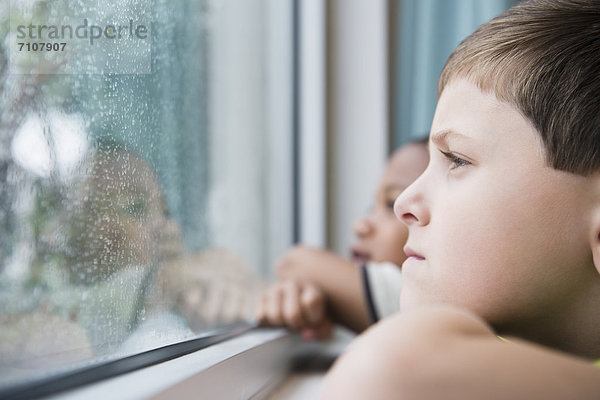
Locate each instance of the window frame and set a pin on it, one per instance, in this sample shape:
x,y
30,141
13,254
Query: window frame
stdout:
x,y
221,370
111,369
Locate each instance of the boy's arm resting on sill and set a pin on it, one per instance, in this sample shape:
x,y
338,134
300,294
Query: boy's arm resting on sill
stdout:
x,y
444,352
316,287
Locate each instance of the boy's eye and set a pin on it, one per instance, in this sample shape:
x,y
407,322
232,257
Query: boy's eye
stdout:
x,y
135,208
455,159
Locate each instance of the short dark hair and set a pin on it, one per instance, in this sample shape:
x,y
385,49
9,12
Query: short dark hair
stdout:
x,y
543,57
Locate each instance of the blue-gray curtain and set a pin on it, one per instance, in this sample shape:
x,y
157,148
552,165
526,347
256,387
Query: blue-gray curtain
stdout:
x,y
426,32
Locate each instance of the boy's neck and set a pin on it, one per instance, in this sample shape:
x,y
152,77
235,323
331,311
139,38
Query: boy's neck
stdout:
x,y
574,329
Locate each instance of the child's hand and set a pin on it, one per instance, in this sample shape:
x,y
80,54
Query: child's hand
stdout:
x,y
299,305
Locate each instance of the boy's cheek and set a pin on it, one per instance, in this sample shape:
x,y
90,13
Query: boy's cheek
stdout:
x,y
465,272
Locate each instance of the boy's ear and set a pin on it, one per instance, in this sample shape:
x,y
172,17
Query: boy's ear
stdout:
x,y
595,238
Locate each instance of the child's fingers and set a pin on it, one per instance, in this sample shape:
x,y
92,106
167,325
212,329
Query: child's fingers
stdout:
x,y
260,312
312,303
280,305
298,305
269,307
291,310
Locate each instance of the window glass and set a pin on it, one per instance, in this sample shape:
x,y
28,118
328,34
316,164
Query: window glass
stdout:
x,y
135,175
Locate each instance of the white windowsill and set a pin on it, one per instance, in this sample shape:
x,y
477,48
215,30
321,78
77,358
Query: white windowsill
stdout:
x,y
247,366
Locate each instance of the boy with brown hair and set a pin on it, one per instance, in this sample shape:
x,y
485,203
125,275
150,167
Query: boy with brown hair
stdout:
x,y
504,224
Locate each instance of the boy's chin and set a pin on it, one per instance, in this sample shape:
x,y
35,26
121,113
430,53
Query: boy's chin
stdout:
x,y
411,302
414,301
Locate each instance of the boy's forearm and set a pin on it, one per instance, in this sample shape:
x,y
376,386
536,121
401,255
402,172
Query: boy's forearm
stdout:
x,y
448,353
338,278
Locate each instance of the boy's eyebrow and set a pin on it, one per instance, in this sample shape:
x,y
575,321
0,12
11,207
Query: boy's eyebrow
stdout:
x,y
441,138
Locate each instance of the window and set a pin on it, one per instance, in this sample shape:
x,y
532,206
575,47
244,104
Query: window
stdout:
x,y
424,33
145,173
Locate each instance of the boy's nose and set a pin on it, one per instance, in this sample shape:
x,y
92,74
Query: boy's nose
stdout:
x,y
363,227
410,207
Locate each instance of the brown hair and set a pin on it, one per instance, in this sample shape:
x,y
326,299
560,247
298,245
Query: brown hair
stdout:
x,y
542,56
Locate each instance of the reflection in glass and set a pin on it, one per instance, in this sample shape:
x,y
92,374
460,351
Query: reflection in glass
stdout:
x,y
105,237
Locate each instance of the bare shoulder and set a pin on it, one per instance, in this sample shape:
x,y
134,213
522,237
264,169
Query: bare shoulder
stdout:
x,y
444,352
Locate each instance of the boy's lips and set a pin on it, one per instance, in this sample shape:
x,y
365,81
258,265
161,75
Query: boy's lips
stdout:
x,y
410,253
359,255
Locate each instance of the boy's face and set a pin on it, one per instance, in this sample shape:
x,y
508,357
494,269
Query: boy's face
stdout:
x,y
121,219
380,236
491,226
